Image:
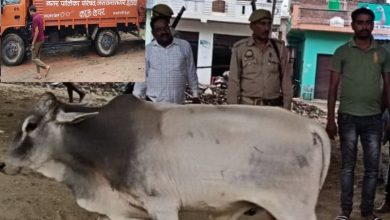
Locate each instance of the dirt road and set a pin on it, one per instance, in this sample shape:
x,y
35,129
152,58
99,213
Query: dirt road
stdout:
x,y
30,196
82,64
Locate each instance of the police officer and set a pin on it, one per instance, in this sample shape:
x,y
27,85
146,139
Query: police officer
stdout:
x,y
259,67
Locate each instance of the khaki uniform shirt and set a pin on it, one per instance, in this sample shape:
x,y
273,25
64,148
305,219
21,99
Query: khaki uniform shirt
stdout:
x,y
255,73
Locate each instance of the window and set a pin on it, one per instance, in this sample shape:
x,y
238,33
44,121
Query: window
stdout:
x,y
10,2
219,6
192,5
243,10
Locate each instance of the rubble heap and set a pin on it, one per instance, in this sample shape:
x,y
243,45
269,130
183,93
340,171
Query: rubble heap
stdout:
x,y
214,95
103,89
308,110
210,94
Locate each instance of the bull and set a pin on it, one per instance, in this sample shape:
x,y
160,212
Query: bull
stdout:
x,y
131,159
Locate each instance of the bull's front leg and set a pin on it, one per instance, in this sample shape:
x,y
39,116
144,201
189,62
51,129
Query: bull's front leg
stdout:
x,y
167,216
163,208
107,218
103,217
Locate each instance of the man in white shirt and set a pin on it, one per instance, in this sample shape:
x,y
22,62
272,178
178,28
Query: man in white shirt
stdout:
x,y
169,67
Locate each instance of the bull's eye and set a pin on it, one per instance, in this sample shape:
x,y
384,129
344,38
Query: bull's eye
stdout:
x,y
30,127
30,124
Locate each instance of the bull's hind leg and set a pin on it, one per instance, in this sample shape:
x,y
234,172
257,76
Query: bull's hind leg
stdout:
x,y
293,210
258,213
296,214
295,204
233,212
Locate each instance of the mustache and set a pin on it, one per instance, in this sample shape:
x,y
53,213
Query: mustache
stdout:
x,y
164,35
364,30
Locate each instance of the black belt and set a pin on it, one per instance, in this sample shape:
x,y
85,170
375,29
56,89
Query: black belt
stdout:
x,y
265,102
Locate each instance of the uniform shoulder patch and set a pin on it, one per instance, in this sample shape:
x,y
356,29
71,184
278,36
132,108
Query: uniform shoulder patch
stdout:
x,y
240,42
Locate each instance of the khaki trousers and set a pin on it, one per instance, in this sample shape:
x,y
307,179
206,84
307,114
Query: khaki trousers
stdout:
x,y
36,55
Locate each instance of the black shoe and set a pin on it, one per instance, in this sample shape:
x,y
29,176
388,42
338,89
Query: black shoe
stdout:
x,y
342,217
371,217
384,207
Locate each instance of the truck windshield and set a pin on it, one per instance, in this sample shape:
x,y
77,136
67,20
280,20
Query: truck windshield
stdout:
x,y
10,2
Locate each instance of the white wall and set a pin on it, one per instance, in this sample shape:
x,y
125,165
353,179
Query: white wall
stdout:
x,y
285,10
205,44
202,9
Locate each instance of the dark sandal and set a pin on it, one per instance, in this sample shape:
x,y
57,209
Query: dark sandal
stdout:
x,y
372,217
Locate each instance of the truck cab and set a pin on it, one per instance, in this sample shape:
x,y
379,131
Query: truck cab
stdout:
x,y
14,14
14,30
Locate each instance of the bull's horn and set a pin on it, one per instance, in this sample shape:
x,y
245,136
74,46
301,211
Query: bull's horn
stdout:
x,y
73,117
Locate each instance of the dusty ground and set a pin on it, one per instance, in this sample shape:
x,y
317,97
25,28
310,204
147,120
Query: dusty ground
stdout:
x,y
29,195
82,64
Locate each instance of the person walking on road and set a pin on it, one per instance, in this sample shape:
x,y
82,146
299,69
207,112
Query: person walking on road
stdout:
x,y
37,42
72,87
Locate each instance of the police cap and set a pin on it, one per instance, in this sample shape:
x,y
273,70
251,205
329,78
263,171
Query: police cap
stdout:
x,y
162,10
259,14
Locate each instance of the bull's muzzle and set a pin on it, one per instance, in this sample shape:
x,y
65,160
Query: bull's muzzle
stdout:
x,y
9,170
2,165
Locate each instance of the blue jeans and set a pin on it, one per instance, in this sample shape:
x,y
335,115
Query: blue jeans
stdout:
x,y
369,129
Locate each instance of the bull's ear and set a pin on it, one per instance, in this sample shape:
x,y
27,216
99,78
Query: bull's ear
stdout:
x,y
73,117
45,103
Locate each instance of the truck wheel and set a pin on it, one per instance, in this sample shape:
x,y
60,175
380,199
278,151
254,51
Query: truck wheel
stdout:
x,y
12,50
106,42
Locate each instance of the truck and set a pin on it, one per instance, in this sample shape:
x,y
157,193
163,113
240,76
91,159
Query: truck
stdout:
x,y
68,22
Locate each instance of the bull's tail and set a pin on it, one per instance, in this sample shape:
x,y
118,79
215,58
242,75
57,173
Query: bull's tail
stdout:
x,y
321,140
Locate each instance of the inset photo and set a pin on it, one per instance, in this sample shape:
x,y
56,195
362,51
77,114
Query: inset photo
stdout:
x,y
212,27
72,40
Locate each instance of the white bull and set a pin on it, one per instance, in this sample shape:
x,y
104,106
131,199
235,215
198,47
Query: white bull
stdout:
x,y
135,160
